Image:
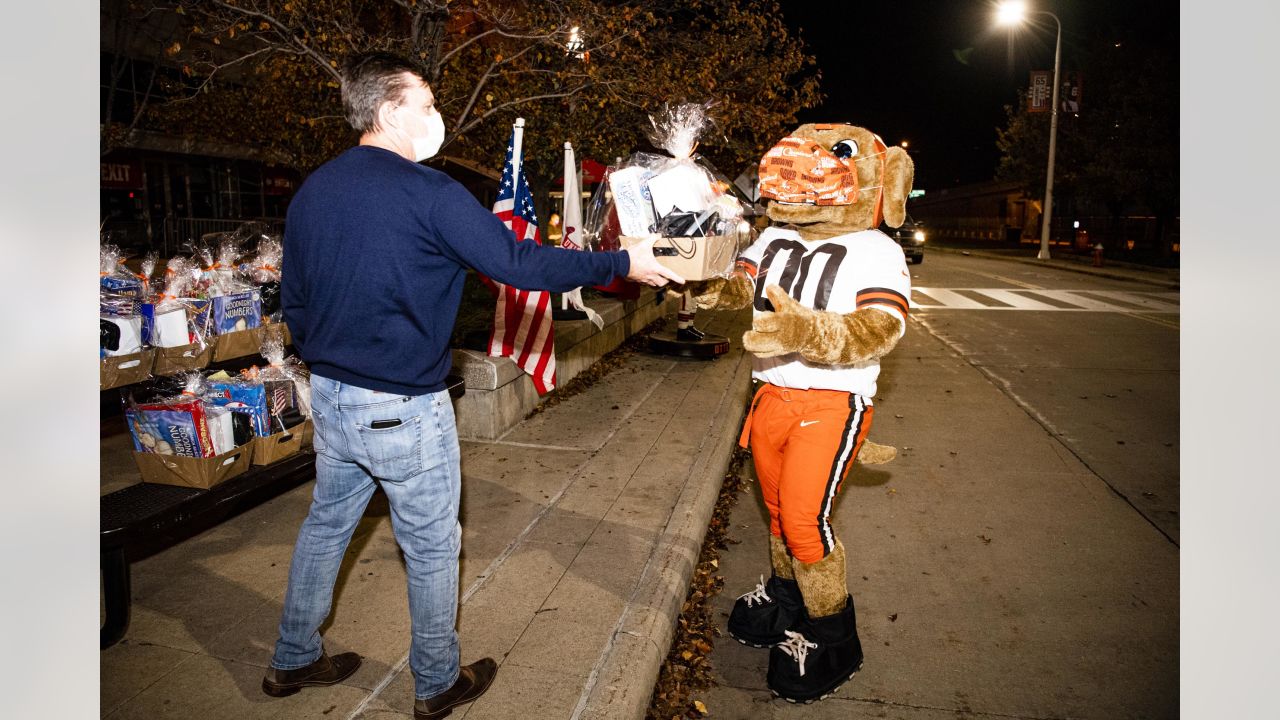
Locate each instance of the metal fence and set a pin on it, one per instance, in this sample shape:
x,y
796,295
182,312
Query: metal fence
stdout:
x,y
171,236
180,231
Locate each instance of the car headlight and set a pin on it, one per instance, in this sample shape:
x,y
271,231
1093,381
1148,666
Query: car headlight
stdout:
x,y
919,236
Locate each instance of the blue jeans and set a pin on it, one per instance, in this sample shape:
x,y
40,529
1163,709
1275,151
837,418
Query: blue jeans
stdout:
x,y
416,461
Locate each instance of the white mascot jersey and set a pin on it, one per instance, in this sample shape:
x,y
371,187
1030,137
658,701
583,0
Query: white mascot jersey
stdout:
x,y
838,274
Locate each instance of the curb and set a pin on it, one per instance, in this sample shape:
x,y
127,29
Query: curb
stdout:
x,y
622,686
1061,265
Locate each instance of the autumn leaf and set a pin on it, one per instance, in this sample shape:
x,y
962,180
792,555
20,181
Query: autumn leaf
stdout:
x,y
702,708
173,49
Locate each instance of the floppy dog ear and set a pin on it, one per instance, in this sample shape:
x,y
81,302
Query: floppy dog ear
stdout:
x,y
899,172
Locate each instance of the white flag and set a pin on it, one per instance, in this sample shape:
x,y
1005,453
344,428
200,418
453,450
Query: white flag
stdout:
x,y
572,233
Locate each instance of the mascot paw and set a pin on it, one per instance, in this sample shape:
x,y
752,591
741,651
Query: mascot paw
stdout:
x,y
782,331
707,293
732,293
875,454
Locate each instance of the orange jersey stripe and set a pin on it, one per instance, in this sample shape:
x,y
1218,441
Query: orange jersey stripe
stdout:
x,y
883,296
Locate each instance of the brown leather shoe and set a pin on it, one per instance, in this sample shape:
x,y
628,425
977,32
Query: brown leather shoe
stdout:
x,y
324,671
473,680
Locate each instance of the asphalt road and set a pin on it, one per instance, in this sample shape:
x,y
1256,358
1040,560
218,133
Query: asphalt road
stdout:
x,y
1093,360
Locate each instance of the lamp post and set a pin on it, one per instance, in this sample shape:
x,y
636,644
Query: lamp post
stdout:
x,y
1010,13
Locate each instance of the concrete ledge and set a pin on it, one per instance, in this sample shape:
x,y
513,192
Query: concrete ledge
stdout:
x,y
499,394
623,684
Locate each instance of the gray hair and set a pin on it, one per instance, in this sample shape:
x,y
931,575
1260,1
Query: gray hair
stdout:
x,y
370,79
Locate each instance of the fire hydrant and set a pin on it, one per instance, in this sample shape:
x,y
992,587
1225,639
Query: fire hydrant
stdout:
x,y
1097,255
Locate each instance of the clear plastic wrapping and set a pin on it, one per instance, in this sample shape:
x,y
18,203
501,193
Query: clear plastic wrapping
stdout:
x,y
287,382
176,425
264,272
680,198
227,301
120,299
176,316
149,262
120,291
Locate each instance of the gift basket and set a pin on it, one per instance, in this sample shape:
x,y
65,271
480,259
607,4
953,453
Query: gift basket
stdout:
x,y
286,389
263,270
120,299
234,309
181,438
122,350
678,198
198,428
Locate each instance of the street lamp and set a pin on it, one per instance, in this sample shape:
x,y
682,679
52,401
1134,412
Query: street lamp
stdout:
x,y
1012,13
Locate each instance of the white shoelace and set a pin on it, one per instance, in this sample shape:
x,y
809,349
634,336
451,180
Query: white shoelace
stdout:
x,y
756,596
797,647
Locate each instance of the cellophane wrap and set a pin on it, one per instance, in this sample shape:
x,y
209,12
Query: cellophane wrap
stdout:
x,y
679,197
288,383
182,293
119,291
173,425
264,272
226,276
234,301
149,262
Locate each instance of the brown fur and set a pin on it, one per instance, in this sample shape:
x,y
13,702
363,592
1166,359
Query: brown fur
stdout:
x,y
823,584
779,558
821,337
733,293
876,454
816,222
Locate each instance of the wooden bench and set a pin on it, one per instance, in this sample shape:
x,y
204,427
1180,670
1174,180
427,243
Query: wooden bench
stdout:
x,y
142,519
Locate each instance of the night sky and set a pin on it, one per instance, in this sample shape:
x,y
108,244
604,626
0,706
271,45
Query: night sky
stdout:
x,y
893,67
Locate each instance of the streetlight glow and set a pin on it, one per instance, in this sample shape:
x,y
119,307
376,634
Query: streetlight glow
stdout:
x,y
1011,12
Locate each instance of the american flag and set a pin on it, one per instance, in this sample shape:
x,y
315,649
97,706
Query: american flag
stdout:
x,y
522,327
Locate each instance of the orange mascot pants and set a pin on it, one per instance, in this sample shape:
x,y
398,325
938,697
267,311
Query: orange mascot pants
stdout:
x,y
803,443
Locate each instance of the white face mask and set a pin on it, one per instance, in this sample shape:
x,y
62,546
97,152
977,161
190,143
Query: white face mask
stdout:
x,y
428,146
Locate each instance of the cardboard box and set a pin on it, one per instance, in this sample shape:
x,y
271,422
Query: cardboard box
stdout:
x,y
281,445
123,370
173,360
201,473
236,344
694,258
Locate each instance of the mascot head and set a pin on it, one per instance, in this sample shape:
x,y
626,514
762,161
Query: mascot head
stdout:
x,y
831,180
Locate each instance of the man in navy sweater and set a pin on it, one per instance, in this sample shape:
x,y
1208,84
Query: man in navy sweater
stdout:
x,y
375,252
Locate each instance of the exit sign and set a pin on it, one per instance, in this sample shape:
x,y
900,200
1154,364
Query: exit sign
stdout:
x,y
915,194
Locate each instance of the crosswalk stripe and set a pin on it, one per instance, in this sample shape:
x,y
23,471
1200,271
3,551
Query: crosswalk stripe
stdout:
x,y
926,298
1018,302
951,300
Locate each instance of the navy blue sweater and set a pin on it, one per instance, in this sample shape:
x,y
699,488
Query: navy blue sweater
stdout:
x,y
375,252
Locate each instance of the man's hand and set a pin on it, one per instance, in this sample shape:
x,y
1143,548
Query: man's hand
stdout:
x,y
645,268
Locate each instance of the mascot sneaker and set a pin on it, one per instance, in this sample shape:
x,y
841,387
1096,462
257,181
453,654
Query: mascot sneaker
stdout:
x,y
761,617
816,658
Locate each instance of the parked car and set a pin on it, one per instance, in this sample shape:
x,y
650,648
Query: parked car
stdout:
x,y
910,235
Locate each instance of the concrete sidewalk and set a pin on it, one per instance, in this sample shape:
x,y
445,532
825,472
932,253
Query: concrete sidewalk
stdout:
x,y
994,575
581,527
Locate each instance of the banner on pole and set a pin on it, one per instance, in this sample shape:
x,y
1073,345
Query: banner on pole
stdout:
x,y
1039,95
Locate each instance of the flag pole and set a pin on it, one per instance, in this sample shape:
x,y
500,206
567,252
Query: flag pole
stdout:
x,y
564,208
517,133
571,305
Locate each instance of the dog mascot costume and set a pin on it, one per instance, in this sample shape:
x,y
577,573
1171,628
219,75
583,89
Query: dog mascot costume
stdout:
x,y
830,294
